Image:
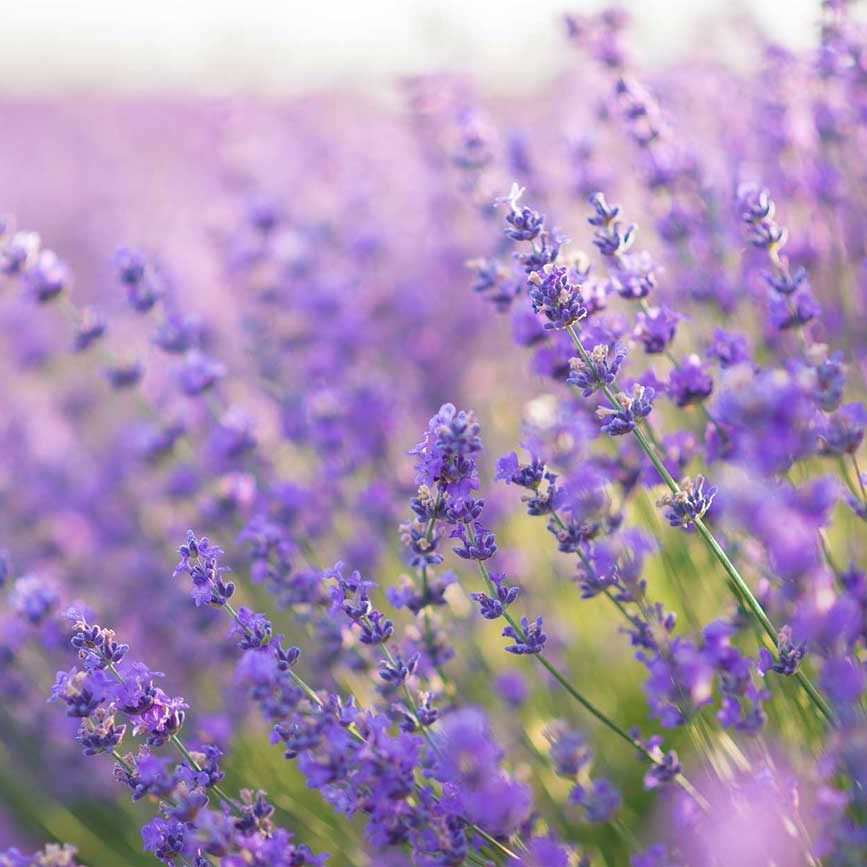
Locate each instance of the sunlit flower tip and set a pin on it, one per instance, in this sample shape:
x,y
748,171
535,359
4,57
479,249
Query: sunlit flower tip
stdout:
x,y
757,212
665,768
17,252
522,223
47,277
512,197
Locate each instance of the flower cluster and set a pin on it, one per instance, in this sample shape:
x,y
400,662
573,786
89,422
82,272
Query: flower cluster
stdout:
x,y
257,356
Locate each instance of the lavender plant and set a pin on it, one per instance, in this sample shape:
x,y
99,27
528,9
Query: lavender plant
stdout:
x,y
615,613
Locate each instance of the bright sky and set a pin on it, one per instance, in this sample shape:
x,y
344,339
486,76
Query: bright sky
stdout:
x,y
215,45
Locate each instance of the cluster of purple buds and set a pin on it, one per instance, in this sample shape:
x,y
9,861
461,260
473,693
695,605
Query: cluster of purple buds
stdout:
x,y
42,274
493,608
789,655
200,560
632,408
553,293
530,639
631,275
142,284
601,799
478,544
350,595
107,686
600,371
843,431
690,503
757,212
689,382
792,304
522,223
655,328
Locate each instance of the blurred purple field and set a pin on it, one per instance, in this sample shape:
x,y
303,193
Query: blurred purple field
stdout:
x,y
440,476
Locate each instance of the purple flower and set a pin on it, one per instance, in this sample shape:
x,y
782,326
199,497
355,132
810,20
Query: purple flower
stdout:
x,y
620,421
477,542
689,382
136,274
553,294
795,311
689,504
789,655
91,327
512,688
600,801
843,431
728,348
177,334
757,211
522,224
569,752
46,277
656,328
493,608
34,598
17,252
528,637
599,372
843,680
511,471
125,374
200,560
198,372
445,455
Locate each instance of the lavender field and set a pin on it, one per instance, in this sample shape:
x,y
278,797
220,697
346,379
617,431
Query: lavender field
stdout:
x,y
444,475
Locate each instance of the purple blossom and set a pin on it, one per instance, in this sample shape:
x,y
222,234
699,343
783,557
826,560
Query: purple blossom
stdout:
x,y
632,408
601,800
599,372
529,637
689,382
556,296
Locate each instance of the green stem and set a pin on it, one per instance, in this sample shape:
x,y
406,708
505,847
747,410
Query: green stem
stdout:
x,y
859,478
584,702
741,587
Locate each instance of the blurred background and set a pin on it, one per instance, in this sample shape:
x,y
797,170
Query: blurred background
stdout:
x,y
274,46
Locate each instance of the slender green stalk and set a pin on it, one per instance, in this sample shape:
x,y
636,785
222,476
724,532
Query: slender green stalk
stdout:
x,y
743,591
572,691
858,477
